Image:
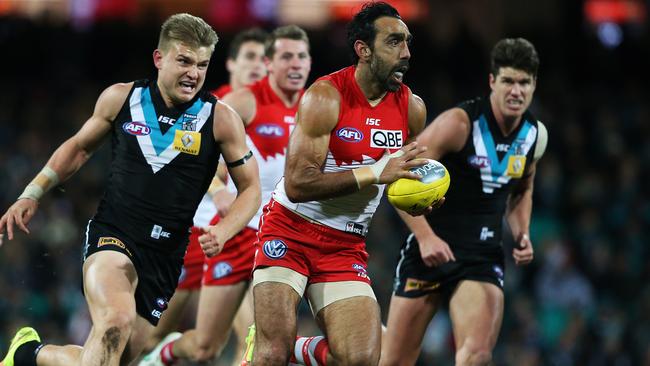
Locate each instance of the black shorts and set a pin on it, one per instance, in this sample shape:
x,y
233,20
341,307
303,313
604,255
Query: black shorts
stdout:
x,y
413,278
158,271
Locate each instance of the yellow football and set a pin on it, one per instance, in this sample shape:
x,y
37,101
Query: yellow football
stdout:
x,y
412,195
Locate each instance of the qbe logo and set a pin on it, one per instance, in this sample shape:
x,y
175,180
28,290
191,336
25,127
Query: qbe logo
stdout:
x,y
383,139
275,249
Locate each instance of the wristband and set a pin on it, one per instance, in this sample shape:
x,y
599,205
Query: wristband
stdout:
x,y
44,180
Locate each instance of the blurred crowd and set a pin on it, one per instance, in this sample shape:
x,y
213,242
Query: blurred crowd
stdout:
x,y
585,300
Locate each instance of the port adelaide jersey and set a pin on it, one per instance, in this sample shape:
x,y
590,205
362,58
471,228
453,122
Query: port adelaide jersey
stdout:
x,y
483,174
163,160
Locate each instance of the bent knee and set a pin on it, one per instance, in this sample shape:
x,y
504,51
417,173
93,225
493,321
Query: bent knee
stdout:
x,y
273,353
474,357
359,357
206,352
123,321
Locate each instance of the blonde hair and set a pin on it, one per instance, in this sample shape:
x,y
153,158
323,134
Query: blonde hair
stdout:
x,y
188,29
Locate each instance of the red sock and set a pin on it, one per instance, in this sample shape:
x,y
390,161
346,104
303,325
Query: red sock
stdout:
x,y
167,354
310,351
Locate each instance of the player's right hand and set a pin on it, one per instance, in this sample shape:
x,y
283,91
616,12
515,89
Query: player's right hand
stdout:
x,y
19,214
210,241
400,162
435,251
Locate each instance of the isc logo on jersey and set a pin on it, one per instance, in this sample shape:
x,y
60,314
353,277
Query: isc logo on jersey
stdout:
x,y
349,134
270,130
383,139
136,128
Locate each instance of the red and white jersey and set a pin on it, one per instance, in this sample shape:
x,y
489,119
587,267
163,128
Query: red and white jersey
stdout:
x,y
205,212
221,91
207,209
361,137
267,135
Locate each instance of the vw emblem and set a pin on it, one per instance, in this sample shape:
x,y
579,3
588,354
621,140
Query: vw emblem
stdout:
x,y
275,248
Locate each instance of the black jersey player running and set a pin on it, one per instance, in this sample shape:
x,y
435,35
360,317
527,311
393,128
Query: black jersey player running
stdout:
x,y
167,136
490,147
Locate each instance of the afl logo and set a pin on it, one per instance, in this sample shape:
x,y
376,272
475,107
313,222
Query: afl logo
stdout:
x,y
136,128
270,130
275,249
349,134
162,303
478,161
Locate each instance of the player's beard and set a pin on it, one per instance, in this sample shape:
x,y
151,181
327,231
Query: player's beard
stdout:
x,y
383,73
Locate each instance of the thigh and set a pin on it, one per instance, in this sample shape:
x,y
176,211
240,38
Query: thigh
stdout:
x,y
275,306
245,316
353,328
476,311
408,319
217,308
109,282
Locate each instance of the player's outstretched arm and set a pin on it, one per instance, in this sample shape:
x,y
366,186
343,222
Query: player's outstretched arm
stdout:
x,y
242,167
66,160
307,152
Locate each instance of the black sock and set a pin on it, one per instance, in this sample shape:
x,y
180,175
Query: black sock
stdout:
x,y
26,354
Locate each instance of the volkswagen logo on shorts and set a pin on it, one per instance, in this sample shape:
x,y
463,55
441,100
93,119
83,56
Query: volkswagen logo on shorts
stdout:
x,y
222,269
275,249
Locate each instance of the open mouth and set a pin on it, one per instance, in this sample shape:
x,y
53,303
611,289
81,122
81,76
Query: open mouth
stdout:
x,y
294,77
398,73
187,86
514,103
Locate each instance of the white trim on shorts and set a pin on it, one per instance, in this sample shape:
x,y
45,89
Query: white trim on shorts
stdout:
x,y
288,276
319,294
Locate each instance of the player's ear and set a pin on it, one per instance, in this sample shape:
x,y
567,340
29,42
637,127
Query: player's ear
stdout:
x,y
157,58
362,49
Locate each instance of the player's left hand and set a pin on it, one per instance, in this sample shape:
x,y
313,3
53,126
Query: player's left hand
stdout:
x,y
210,241
426,211
524,254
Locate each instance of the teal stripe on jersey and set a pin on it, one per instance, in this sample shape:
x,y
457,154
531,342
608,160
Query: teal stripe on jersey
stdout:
x,y
159,140
497,166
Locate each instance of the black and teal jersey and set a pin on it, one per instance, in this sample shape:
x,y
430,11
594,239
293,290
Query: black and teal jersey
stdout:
x,y
483,174
163,160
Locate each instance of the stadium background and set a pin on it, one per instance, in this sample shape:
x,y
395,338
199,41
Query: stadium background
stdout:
x,y
586,298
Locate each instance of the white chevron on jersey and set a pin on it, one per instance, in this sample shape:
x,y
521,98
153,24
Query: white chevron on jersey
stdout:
x,y
156,161
338,212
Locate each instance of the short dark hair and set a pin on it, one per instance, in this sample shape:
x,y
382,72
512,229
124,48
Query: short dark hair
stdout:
x,y
362,25
293,32
249,35
517,53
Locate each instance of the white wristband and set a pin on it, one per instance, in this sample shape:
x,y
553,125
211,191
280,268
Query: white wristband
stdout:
x,y
363,174
44,180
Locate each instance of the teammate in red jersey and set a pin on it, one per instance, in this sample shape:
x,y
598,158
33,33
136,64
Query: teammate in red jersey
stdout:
x,y
348,142
245,64
268,109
